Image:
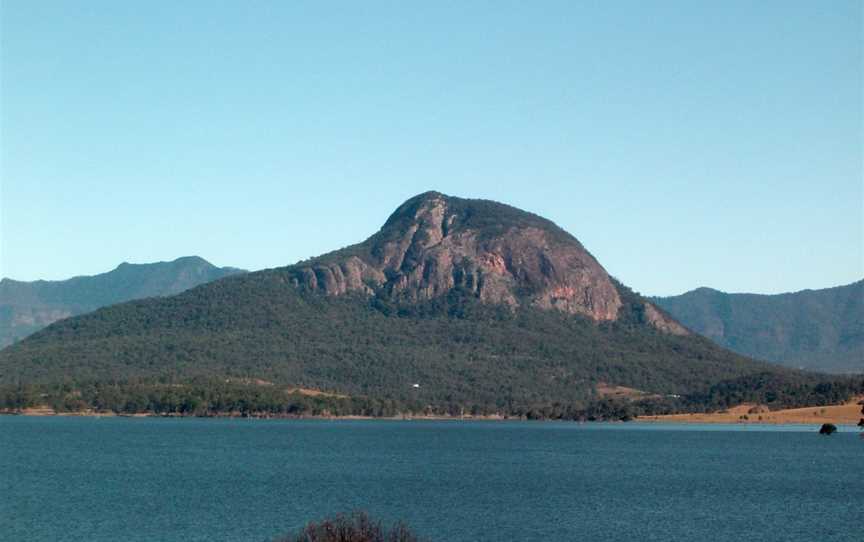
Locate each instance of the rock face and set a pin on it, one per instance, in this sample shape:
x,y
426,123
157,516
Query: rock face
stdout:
x,y
663,322
434,244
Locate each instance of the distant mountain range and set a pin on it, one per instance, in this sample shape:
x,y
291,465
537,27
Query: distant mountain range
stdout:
x,y
455,305
812,329
26,307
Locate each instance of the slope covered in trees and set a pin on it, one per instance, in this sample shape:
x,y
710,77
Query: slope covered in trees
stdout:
x,y
480,323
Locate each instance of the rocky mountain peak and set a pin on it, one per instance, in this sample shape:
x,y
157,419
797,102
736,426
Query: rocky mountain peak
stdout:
x,y
434,244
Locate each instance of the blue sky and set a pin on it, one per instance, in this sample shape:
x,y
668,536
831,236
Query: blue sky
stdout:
x,y
684,143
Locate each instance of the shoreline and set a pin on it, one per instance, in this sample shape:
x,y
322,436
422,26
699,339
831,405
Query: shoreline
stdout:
x,y
48,412
847,414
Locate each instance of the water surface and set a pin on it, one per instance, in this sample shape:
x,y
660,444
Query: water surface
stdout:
x,y
169,480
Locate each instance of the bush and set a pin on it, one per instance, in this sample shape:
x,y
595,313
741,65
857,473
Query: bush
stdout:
x,y
357,527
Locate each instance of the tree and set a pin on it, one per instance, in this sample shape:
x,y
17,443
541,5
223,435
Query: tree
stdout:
x,y
357,527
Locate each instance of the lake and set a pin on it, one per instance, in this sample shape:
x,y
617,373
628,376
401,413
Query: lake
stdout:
x,y
121,479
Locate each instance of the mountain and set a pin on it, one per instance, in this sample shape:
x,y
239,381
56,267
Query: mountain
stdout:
x,y
454,305
434,245
813,329
26,307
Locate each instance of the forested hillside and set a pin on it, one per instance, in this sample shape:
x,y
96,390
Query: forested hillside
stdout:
x,y
439,312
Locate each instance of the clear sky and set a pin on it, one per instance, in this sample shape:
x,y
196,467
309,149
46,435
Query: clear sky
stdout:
x,y
684,143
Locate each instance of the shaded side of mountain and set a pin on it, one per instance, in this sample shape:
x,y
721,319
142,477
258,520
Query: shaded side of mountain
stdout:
x,y
26,307
812,329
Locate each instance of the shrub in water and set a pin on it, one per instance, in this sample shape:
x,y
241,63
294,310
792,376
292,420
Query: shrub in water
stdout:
x,y
357,527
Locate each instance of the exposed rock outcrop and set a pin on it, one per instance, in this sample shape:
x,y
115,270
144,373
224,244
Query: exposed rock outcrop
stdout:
x,y
663,322
434,244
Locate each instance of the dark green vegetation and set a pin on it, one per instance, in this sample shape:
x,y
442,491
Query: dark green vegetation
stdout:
x,y
174,355
357,527
26,307
241,344
813,329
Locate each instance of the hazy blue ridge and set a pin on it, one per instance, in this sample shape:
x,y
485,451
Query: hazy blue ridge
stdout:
x,y
26,307
812,329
